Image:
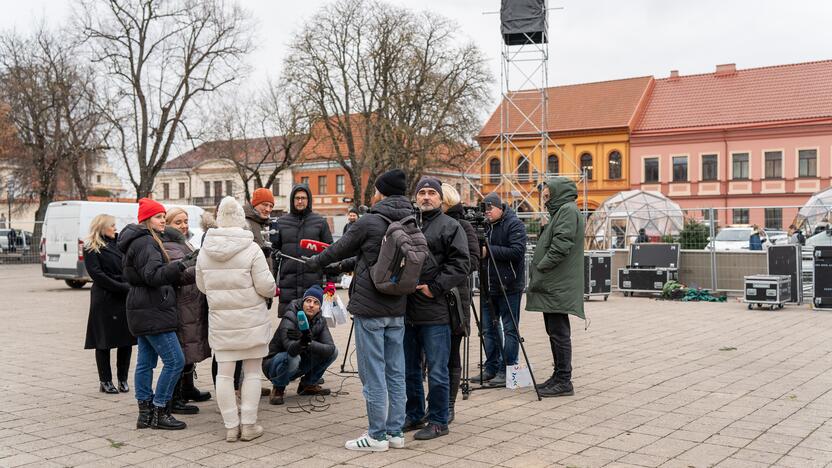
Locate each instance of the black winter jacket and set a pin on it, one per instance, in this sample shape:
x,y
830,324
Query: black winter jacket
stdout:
x,y
322,345
456,212
294,277
107,324
445,268
359,249
508,249
151,302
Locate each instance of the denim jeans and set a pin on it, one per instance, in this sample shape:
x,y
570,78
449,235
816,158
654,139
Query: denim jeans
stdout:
x,y
151,348
378,346
282,368
507,339
435,342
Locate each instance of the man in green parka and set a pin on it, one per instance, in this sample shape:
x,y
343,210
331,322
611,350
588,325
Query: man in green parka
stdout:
x,y
556,279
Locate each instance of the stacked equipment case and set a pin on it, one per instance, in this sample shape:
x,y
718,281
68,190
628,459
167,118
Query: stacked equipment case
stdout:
x,y
788,260
649,268
822,278
597,273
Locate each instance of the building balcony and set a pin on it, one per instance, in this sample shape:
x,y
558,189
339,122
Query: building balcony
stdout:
x,y
207,202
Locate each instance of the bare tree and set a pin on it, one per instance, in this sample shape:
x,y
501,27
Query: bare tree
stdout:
x,y
55,111
162,57
388,88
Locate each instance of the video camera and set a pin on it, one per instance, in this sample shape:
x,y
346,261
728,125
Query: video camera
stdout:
x,y
476,215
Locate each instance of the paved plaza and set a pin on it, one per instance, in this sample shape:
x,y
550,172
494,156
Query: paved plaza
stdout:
x,y
657,384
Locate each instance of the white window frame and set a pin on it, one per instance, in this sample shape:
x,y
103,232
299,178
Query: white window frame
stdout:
x,y
797,162
782,152
750,166
644,171
702,165
687,163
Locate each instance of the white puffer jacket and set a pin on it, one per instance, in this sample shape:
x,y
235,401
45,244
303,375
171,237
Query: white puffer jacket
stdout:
x,y
232,272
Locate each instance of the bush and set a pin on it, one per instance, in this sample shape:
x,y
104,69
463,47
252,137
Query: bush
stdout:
x,y
694,235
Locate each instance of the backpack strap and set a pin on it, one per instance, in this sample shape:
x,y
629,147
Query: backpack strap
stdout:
x,y
385,218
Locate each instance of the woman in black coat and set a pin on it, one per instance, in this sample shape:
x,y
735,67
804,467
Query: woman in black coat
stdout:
x,y
107,322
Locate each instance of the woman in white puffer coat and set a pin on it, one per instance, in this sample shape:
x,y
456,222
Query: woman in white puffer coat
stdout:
x,y
232,272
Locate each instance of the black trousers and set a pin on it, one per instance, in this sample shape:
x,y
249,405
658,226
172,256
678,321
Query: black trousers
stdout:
x,y
102,360
560,340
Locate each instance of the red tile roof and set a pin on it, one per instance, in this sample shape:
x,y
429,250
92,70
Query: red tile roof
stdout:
x,y
740,97
255,148
572,108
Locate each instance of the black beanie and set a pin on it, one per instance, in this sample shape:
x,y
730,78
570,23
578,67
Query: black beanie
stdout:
x,y
392,183
493,199
429,182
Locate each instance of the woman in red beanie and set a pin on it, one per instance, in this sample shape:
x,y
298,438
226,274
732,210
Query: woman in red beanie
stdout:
x,y
151,313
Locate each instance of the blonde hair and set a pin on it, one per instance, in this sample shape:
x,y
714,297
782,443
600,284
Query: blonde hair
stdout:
x,y
173,213
155,236
95,239
450,196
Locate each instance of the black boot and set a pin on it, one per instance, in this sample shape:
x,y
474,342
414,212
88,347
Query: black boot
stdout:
x,y
189,391
163,420
178,404
145,414
455,377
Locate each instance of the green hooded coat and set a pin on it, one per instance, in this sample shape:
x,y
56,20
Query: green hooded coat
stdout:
x,y
556,282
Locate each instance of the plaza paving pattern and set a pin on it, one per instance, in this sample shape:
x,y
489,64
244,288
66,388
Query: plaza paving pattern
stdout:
x,y
657,384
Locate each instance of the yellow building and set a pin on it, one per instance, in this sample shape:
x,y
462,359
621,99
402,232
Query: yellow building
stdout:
x,y
588,127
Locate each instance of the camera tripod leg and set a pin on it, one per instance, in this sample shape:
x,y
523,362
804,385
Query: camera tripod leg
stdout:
x,y
347,349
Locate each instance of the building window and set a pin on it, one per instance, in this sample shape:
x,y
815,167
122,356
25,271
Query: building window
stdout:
x,y
166,191
774,218
98,178
553,165
217,188
740,215
229,188
739,166
651,170
522,169
709,167
304,180
207,189
181,190
340,186
276,188
807,163
774,164
322,185
680,168
615,165
494,170
586,165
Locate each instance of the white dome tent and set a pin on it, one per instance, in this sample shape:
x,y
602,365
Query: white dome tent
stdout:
x,y
616,223
816,212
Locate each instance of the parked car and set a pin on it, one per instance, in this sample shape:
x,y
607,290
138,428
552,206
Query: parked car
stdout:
x,y
23,241
730,238
777,236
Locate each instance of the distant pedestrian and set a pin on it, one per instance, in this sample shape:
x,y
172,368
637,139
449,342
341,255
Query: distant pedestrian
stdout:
x,y
2,220
796,236
755,241
352,217
642,237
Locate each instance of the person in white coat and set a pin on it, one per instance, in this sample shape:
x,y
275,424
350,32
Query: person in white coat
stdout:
x,y
233,273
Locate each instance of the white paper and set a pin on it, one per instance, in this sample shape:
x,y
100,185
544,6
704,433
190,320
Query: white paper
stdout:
x,y
518,376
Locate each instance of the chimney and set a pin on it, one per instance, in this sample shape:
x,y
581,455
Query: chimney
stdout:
x,y
674,74
726,69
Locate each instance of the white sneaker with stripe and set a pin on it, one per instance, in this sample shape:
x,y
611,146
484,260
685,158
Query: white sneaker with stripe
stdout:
x,y
365,443
396,441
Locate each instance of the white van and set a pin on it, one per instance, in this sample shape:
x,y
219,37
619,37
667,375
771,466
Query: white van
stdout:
x,y
67,224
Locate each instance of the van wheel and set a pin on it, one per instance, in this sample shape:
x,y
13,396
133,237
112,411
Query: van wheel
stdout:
x,y
75,284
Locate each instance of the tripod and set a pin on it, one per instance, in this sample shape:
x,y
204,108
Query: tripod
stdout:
x,y
485,298
347,349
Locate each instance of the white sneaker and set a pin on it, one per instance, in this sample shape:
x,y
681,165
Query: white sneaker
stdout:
x,y
365,443
396,441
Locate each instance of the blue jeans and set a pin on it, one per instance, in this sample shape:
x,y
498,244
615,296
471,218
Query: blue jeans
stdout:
x,y
378,346
507,339
435,342
151,348
282,368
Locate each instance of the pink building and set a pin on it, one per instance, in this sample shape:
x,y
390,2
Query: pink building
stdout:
x,y
754,144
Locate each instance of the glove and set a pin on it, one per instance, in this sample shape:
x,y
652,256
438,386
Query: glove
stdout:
x,y
311,263
333,269
294,335
305,340
330,288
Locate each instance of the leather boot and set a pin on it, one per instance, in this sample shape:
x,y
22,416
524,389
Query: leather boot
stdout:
x,y
145,414
163,420
189,391
455,378
178,404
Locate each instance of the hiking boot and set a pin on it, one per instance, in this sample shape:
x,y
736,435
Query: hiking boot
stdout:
x,y
304,389
499,380
365,443
412,425
163,420
276,396
557,389
547,383
250,432
145,414
431,431
396,440
486,376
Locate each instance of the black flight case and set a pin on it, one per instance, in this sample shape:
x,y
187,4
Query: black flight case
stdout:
x,y
649,268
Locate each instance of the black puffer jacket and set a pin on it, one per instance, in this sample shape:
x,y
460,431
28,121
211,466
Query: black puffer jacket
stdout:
x,y
151,302
359,249
321,347
508,248
445,268
294,277
456,212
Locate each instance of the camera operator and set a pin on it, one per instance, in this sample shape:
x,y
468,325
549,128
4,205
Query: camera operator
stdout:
x,y
507,238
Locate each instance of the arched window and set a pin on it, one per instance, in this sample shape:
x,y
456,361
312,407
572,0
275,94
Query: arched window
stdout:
x,y
615,165
522,169
494,170
553,165
586,164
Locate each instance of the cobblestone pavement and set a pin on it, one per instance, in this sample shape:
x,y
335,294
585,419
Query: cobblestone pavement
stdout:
x,y
657,384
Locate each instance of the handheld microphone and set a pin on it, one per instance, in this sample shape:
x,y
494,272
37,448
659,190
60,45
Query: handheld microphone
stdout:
x,y
303,322
313,245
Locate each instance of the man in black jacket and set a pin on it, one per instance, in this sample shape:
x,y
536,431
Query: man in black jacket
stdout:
x,y
427,330
294,354
507,237
379,318
300,223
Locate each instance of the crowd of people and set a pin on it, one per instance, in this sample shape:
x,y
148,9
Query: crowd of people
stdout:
x,y
182,305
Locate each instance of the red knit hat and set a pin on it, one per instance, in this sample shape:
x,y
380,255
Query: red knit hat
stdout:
x,y
262,195
149,208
